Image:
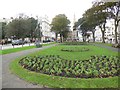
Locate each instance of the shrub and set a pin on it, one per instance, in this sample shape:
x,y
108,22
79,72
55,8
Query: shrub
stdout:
x,y
75,49
74,43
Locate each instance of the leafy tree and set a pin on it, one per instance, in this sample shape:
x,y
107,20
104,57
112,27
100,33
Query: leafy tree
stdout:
x,y
22,27
87,24
114,8
85,28
2,30
81,24
32,24
17,28
91,20
60,25
98,15
108,10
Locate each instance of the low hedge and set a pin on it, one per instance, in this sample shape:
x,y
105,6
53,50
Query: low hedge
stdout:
x,y
74,43
75,49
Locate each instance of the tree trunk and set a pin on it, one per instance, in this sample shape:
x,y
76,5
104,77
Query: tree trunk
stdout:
x,y
93,32
84,37
56,35
116,26
103,36
116,41
103,33
61,38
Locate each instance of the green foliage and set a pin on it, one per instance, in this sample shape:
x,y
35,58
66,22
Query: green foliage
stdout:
x,y
60,25
2,30
22,27
74,43
96,66
98,15
75,49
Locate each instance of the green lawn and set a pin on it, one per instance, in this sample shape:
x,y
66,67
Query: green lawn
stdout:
x,y
63,82
12,50
94,50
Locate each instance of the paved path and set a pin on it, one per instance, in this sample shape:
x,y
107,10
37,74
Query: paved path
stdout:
x,y
10,80
107,47
8,46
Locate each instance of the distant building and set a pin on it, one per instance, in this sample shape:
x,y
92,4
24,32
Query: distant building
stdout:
x,y
6,20
109,33
72,35
45,28
44,24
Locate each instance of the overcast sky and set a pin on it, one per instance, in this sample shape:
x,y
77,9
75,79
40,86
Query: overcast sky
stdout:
x,y
10,8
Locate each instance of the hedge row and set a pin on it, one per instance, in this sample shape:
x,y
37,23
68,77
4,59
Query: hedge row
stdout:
x,y
74,43
75,49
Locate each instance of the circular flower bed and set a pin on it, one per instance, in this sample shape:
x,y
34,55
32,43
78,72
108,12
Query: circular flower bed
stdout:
x,y
75,49
96,66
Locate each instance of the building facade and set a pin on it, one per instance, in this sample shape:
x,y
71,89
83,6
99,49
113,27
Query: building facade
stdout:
x,y
109,33
46,29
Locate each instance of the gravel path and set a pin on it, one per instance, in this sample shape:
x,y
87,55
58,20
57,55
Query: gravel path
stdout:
x,y
108,47
9,80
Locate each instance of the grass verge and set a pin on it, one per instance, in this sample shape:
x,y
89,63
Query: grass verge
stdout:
x,y
12,50
63,82
93,50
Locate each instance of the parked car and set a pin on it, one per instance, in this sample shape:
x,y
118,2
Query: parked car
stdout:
x,y
17,42
45,41
26,41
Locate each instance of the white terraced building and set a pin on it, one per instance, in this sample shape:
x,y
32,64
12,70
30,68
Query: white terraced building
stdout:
x,y
109,33
45,28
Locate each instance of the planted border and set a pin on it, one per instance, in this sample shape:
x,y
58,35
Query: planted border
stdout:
x,y
95,67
